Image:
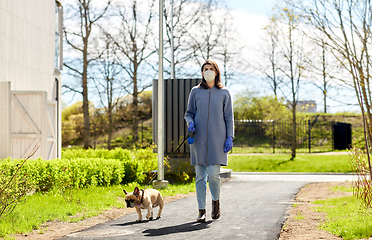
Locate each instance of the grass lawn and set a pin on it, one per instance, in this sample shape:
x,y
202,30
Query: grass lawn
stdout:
x,y
346,217
283,163
40,208
281,150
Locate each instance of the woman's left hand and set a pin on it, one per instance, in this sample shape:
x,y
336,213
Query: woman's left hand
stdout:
x,y
228,145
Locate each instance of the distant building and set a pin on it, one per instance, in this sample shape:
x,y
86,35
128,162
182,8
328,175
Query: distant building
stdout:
x,y
306,106
30,78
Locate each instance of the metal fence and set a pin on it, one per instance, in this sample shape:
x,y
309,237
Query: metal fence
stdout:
x,y
311,135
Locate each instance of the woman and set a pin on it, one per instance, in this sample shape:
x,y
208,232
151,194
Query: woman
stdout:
x,y
210,116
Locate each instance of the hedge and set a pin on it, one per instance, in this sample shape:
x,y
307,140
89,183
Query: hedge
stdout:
x,y
76,173
128,161
134,162
82,168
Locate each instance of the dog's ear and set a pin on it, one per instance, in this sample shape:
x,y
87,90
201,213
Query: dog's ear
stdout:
x,y
126,193
136,192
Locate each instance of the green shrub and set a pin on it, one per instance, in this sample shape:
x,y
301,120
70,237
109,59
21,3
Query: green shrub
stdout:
x,y
138,163
135,163
14,188
147,161
45,175
123,155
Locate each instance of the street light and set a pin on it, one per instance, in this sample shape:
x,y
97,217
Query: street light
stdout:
x,y
160,183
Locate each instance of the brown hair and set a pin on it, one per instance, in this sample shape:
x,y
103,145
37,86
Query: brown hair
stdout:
x,y
217,81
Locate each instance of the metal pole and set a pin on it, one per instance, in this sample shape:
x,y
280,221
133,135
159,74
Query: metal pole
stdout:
x,y
172,44
160,97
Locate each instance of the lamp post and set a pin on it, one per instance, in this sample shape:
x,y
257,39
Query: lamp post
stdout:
x,y
172,44
160,183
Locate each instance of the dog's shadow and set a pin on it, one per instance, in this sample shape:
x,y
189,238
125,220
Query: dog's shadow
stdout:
x,y
186,227
134,223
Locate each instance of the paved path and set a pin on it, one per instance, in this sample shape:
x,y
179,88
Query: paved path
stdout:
x,y
253,206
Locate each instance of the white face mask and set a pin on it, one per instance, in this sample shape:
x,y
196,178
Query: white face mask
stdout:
x,y
209,75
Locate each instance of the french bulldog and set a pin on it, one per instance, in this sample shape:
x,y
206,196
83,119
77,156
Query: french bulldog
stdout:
x,y
144,199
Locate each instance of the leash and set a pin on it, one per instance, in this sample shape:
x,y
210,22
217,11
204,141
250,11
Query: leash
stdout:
x,y
143,192
156,173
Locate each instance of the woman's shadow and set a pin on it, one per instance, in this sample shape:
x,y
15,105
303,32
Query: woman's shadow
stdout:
x,y
186,227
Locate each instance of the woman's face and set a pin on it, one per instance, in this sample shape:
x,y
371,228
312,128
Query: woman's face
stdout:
x,y
209,67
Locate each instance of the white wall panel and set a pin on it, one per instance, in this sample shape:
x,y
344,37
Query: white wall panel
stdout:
x,y
27,47
27,44
5,142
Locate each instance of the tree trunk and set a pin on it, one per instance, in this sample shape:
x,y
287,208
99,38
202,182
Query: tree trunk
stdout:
x,y
273,67
87,18
294,102
111,126
324,78
135,108
86,133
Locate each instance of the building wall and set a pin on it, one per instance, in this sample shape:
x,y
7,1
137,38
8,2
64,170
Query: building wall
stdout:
x,y
27,45
5,120
27,50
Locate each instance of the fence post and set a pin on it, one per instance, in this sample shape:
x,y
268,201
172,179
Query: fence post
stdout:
x,y
273,136
309,135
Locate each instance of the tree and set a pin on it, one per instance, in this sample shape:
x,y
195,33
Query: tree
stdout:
x,y
347,27
107,84
291,48
186,16
205,38
132,39
202,30
229,50
269,58
249,105
125,106
322,68
321,63
81,19
73,123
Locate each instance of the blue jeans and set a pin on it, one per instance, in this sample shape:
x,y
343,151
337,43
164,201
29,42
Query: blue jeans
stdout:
x,y
213,173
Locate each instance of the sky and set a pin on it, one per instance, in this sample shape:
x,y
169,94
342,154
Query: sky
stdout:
x,y
258,7
251,16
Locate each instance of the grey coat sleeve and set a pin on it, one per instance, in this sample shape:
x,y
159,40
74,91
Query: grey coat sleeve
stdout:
x,y
229,116
191,108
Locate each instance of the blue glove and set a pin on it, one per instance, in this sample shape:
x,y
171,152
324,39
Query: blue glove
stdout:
x,y
228,145
191,127
191,130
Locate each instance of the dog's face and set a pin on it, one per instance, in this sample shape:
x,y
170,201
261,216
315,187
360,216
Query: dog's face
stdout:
x,y
132,199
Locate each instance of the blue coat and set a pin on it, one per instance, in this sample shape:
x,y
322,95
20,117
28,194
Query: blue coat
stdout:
x,y
211,112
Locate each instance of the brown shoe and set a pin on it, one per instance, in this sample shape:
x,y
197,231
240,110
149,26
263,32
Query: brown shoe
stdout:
x,y
216,213
201,217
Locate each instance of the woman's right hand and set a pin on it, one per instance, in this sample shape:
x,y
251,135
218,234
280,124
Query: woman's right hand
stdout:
x,y
191,127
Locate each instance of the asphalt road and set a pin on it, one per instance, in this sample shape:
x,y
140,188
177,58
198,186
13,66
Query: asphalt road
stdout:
x,y
253,206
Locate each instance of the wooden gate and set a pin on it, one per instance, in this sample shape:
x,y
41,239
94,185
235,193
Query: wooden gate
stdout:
x,y
33,122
